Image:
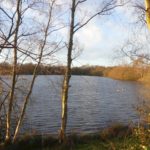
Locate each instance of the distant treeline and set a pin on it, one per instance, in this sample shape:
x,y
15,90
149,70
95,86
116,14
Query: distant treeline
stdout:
x,y
28,69
116,72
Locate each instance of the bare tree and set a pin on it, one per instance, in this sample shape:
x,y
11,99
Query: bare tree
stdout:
x,y
41,49
105,9
18,21
147,6
31,40
142,11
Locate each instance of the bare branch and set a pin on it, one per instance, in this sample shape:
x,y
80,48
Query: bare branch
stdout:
x,y
107,8
79,2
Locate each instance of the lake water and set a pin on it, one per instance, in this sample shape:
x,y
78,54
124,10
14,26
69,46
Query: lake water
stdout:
x,y
93,103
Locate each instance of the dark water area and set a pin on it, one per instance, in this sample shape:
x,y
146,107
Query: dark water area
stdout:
x,y
94,103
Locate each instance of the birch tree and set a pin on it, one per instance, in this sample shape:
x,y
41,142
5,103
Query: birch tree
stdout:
x,y
105,8
30,39
42,46
147,7
11,97
142,11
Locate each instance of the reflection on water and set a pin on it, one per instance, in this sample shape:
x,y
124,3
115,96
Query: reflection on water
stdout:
x,y
94,103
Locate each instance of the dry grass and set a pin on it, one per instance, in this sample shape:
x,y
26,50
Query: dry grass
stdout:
x,y
116,137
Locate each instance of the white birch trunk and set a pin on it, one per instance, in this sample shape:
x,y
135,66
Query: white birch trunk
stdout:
x,y
147,7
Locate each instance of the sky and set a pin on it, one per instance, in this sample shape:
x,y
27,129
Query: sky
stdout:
x,y
101,39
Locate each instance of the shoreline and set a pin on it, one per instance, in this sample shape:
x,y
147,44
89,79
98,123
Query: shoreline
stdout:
x,y
115,137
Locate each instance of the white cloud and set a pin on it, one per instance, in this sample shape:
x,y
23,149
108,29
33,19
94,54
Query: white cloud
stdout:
x,y
89,36
7,4
100,37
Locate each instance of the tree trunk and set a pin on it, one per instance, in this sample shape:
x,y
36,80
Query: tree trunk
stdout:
x,y
67,77
25,103
11,97
34,73
147,6
73,29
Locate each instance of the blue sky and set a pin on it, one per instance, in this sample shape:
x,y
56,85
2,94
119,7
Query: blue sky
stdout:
x,y
100,40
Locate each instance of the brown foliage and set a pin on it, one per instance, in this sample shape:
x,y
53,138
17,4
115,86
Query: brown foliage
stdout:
x,y
125,73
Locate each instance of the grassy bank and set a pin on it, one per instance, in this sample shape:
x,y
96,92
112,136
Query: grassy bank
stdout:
x,y
117,137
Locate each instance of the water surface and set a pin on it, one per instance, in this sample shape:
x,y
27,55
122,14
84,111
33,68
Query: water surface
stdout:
x,y
93,103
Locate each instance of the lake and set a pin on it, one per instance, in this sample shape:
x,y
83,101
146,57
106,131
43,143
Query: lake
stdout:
x,y
94,103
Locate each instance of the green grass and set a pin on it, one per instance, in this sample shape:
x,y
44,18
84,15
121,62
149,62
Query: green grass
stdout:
x,y
114,138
